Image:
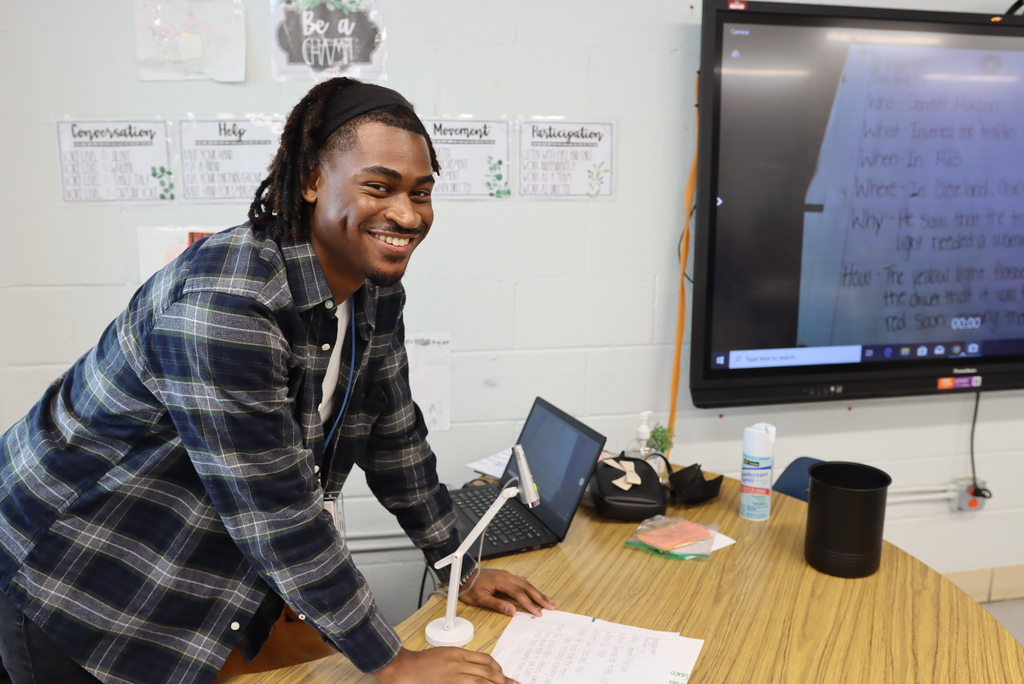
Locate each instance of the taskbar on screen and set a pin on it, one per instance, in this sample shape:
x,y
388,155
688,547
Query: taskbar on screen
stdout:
x,y
855,353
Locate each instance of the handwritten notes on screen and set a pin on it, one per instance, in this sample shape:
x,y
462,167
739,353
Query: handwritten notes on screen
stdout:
x,y
914,220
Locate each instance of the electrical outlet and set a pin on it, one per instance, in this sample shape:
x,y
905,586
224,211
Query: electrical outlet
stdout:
x,y
965,499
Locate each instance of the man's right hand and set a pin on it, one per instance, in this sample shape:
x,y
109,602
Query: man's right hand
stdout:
x,y
441,665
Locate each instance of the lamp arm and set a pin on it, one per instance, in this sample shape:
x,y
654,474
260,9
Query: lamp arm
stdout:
x,y
455,559
480,526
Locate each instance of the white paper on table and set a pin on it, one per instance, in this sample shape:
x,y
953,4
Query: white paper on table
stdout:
x,y
493,465
568,649
721,541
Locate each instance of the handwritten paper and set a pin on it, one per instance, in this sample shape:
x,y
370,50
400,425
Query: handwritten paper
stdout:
x,y
322,40
116,161
474,157
224,159
914,224
565,648
561,159
177,41
430,376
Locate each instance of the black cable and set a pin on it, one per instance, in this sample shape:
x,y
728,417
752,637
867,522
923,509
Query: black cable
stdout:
x,y
679,246
975,489
1014,7
423,581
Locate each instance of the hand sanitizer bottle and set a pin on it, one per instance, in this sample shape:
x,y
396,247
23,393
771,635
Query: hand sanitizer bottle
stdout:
x,y
756,476
641,446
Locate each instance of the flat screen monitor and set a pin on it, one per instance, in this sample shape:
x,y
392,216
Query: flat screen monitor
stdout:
x,y
860,206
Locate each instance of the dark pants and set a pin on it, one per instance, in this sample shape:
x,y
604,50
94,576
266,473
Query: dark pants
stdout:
x,y
29,656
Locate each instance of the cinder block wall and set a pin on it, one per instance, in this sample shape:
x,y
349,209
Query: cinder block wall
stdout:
x,y
573,301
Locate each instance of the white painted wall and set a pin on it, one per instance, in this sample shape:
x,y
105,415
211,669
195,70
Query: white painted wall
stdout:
x,y
574,301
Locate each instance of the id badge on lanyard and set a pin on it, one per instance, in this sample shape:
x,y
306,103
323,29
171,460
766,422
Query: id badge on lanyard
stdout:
x,y
335,505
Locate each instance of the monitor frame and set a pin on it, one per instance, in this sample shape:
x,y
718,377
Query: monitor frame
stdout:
x,y
712,388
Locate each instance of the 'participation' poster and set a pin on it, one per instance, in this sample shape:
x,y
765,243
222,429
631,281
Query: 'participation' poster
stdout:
x,y
561,159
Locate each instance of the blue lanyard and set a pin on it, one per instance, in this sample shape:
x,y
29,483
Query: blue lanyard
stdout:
x,y
351,374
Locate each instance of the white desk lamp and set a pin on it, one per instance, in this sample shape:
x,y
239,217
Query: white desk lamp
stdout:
x,y
456,631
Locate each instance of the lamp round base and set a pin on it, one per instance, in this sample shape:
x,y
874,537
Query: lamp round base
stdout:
x,y
460,634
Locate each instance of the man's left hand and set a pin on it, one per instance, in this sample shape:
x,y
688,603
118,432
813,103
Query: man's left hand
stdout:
x,y
491,584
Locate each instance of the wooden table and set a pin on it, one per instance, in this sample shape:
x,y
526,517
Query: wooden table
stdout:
x,y
765,615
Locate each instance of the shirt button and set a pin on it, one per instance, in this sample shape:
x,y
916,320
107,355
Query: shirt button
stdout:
x,y
325,347
328,304
301,616
316,469
319,408
235,626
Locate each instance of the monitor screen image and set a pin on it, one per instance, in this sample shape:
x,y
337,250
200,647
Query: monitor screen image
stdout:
x,y
860,206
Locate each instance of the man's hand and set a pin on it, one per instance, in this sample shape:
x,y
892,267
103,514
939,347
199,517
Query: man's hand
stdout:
x,y
441,665
490,583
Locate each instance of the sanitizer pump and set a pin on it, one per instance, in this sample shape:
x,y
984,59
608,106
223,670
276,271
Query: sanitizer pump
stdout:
x,y
641,446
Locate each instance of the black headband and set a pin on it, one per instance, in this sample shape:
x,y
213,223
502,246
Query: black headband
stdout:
x,y
351,99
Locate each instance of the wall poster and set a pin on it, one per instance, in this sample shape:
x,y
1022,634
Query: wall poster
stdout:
x,y
430,376
179,41
119,161
474,157
159,246
561,159
224,159
320,39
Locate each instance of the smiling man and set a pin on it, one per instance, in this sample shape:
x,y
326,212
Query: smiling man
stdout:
x,y
174,489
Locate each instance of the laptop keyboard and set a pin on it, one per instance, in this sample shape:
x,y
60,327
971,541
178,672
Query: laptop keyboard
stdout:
x,y
509,525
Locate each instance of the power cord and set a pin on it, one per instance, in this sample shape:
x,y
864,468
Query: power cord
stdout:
x,y
679,246
423,581
975,489
1014,7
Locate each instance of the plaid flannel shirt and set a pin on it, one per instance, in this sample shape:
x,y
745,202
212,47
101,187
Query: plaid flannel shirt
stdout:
x,y
170,480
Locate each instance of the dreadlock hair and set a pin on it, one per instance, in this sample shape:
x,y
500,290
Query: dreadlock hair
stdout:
x,y
279,196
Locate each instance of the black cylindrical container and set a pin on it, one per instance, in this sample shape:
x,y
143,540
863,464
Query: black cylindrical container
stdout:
x,y
845,516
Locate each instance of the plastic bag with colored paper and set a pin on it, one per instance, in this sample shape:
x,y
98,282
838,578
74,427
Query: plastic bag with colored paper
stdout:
x,y
676,538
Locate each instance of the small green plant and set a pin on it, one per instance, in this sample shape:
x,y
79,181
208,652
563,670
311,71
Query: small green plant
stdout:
x,y
661,438
495,180
597,176
163,175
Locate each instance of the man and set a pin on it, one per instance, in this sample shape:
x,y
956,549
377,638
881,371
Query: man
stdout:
x,y
166,496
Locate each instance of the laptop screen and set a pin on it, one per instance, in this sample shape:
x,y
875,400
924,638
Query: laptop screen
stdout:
x,y
562,453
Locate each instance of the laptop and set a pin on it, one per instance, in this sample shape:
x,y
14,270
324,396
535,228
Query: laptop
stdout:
x,y
562,453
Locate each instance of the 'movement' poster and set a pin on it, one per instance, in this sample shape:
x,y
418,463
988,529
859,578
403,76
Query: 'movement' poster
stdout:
x,y
319,39
474,157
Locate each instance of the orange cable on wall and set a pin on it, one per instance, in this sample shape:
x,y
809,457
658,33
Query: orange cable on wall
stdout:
x,y
684,255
